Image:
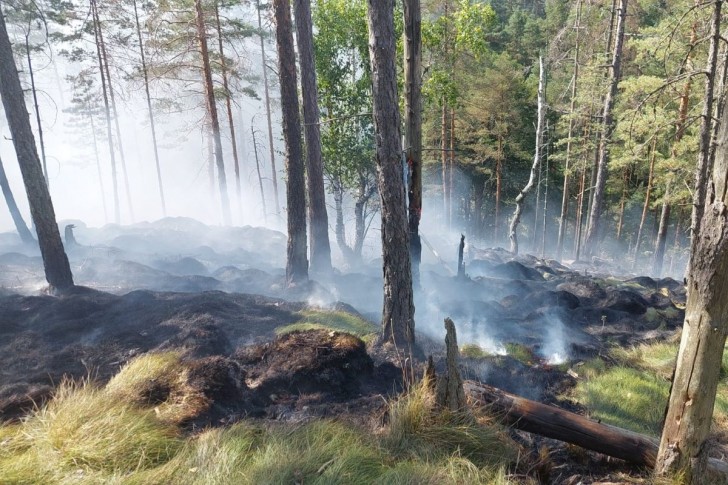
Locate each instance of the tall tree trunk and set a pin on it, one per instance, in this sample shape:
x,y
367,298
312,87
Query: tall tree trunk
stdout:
x,y
297,263
476,223
536,209
98,167
451,168
152,124
646,205
36,106
112,97
413,127
107,111
20,225
340,227
692,398
271,144
579,220
498,190
622,202
513,236
260,177
443,147
57,270
592,234
398,313
229,106
317,216
703,166
545,204
210,159
661,240
212,111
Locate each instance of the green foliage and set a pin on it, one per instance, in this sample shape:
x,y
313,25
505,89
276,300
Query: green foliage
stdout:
x,y
331,320
521,353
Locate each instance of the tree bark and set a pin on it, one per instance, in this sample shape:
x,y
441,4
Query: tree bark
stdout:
x,y
398,324
661,240
449,392
57,269
271,149
229,107
579,220
498,189
513,236
260,177
36,106
692,397
152,124
597,208
112,97
317,216
297,262
413,126
212,111
107,111
646,205
622,202
443,147
20,225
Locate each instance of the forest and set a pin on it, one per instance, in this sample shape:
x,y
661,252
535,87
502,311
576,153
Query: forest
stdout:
x,y
234,230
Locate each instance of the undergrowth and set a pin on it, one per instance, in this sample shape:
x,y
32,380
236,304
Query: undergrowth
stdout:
x,y
128,432
332,320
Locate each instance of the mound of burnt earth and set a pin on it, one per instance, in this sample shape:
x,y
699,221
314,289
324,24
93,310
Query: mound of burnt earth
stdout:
x,y
44,338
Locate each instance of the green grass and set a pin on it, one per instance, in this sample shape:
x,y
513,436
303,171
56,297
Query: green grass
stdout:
x,y
521,353
473,351
331,320
114,434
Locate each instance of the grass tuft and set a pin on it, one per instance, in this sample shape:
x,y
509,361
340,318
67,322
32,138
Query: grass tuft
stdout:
x,y
332,320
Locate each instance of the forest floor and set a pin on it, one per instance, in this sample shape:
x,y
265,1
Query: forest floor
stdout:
x,y
194,324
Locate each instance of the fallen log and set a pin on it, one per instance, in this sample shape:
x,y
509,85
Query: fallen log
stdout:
x,y
562,425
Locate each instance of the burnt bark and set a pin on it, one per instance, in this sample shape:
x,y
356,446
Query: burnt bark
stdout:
x,y
413,126
449,392
212,111
317,216
55,262
597,208
296,262
398,324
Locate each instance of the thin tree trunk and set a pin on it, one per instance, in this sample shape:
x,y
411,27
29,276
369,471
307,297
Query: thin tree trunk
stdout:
x,y
25,235
212,111
413,126
297,263
606,138
398,313
260,178
107,111
646,205
545,204
661,240
317,216
229,106
692,398
98,167
513,236
57,269
271,149
534,237
451,184
622,202
443,147
340,228
210,160
149,109
579,221
37,108
498,189
112,97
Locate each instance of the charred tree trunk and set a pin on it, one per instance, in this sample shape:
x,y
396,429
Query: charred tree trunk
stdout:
x,y
296,262
449,392
597,208
229,106
413,127
152,124
20,225
317,216
271,149
107,112
513,236
212,111
398,313
57,269
692,397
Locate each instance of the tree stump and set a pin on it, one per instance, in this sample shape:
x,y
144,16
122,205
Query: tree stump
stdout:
x,y
449,391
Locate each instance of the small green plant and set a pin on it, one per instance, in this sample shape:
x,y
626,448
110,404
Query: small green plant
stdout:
x,y
332,320
473,351
521,353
